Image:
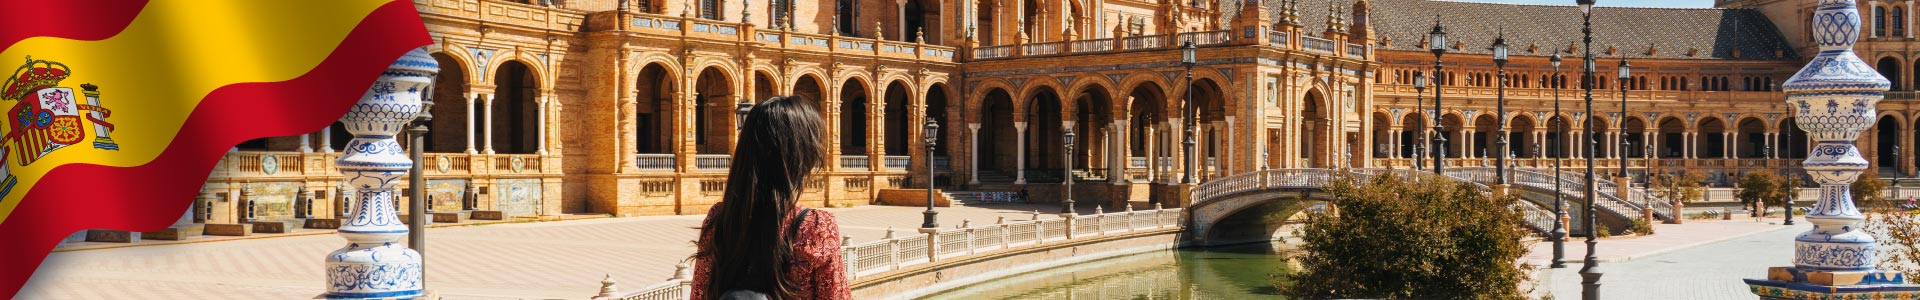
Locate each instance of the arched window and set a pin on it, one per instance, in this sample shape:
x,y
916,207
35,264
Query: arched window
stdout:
x,y
1899,21
710,9
780,13
1879,21
848,11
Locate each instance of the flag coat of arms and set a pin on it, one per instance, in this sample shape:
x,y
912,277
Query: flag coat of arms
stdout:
x,y
117,110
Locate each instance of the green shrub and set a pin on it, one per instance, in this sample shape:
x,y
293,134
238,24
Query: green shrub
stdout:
x,y
1641,227
1603,231
1419,238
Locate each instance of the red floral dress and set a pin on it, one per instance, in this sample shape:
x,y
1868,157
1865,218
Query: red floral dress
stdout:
x,y
817,265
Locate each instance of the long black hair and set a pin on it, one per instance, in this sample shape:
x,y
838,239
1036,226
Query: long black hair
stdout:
x,y
779,145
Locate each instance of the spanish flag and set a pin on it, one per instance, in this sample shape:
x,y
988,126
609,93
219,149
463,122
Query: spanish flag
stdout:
x,y
117,110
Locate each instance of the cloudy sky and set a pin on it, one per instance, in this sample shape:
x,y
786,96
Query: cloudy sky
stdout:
x,y
1627,3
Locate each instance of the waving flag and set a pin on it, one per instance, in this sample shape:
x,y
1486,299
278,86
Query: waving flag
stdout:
x,y
116,110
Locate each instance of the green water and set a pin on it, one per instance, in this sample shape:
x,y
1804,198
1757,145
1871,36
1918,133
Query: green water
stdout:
x,y
1231,272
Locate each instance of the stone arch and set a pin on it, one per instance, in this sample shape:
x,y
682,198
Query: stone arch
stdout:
x,y
1710,139
1135,80
450,96
764,86
935,101
1669,139
1317,128
459,56
1382,125
714,93
1044,113
853,110
797,73
1889,66
985,89
1752,136
1037,84
655,107
1885,144
1520,129
898,97
809,86
996,148
515,109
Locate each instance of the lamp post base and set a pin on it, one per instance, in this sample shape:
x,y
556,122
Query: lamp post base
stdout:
x,y
1784,283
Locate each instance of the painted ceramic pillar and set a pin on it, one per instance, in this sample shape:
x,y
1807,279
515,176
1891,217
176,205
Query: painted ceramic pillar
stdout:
x,y
374,264
1833,99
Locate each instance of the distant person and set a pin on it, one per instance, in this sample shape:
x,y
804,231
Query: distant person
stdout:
x,y
757,243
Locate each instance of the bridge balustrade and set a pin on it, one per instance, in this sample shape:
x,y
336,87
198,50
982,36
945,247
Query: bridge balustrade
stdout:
x,y
876,258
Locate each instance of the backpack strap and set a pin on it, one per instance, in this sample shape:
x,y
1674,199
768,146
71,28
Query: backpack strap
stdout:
x,y
793,230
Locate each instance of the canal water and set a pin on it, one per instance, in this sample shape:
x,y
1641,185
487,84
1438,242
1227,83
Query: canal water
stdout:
x,y
1228,272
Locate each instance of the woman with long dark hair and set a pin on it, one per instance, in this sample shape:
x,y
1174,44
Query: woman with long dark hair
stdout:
x,y
757,239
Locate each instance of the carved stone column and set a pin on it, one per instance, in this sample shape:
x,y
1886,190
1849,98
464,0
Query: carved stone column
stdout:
x,y
374,264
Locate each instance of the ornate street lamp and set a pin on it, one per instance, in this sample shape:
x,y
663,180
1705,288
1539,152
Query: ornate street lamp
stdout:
x,y
1590,269
740,111
1626,80
931,135
1436,42
1187,53
1559,234
1426,133
1067,202
1500,109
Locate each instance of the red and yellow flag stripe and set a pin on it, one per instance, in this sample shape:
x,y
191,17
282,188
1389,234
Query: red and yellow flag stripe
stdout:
x,y
186,80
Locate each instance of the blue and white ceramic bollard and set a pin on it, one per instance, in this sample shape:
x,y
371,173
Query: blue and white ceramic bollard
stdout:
x,y
1833,99
375,263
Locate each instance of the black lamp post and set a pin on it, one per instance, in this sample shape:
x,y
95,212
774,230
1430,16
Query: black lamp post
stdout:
x,y
1067,201
1559,234
1500,109
1626,80
1187,53
931,135
1436,42
1590,269
416,178
1793,181
1426,132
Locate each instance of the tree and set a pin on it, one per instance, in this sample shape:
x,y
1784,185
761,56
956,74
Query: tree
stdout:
x,y
1685,188
1868,188
1423,237
1897,233
1761,187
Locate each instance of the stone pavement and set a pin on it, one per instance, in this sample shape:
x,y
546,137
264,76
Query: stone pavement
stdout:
x,y
1700,260
541,260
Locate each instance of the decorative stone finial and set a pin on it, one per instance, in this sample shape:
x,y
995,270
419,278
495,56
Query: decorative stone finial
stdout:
x,y
1098,210
683,270
964,223
889,232
607,288
1002,220
1035,215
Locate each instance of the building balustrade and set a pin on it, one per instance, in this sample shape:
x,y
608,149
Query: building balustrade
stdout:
x,y
289,165
897,162
696,30
875,259
942,163
856,162
1278,39
654,162
1036,49
1317,45
713,162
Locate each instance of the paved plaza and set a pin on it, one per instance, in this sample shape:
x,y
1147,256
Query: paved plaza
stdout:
x,y
1695,261
541,260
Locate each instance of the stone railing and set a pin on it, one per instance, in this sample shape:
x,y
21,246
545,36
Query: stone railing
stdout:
x,y
696,30
1205,38
1144,42
1277,39
990,52
1034,49
897,162
1136,162
252,163
1537,219
1097,45
857,162
654,162
713,162
894,253
516,163
1394,92
1356,50
1317,45
503,12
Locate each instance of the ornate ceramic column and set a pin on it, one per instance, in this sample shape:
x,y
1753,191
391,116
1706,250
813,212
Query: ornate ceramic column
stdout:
x,y
1833,99
374,264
